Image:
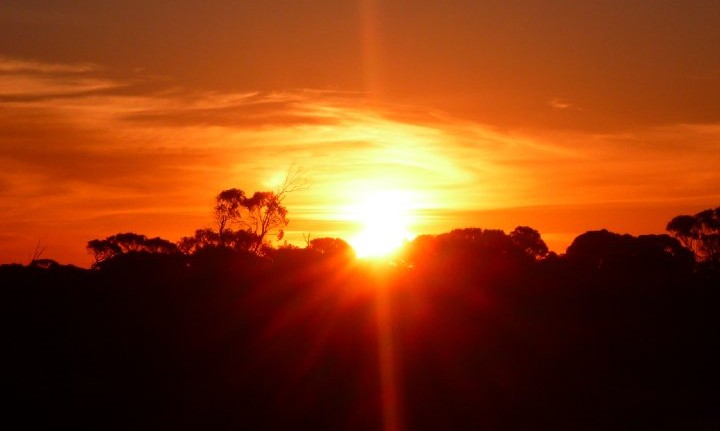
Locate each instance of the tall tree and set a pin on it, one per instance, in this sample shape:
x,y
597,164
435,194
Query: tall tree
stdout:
x,y
259,215
228,208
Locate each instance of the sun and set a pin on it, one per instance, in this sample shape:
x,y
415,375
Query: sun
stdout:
x,y
385,218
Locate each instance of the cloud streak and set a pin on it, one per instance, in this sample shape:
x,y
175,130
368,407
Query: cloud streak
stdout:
x,y
15,65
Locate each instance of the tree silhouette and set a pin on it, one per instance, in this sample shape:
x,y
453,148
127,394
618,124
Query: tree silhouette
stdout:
x,y
608,250
487,251
228,209
330,246
700,233
124,243
258,215
265,213
599,248
529,241
201,239
238,240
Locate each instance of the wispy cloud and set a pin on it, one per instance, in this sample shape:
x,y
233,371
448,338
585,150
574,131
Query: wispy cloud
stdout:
x,y
15,65
22,80
561,104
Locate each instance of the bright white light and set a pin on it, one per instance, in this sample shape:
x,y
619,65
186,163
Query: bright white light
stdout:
x,y
385,217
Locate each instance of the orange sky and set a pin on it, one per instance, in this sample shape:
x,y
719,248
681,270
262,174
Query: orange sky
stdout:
x,y
131,116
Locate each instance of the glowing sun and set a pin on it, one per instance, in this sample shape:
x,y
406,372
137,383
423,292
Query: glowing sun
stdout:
x,y
385,218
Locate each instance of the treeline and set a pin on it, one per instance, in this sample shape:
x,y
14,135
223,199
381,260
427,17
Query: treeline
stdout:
x,y
481,329
245,224
694,244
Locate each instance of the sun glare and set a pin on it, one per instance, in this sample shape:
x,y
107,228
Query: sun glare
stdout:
x,y
385,218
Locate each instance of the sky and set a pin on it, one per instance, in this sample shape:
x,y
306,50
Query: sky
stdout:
x,y
566,116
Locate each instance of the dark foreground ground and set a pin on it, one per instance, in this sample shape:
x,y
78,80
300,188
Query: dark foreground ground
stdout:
x,y
314,342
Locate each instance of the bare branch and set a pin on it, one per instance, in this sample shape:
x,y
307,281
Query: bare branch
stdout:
x,y
295,180
39,250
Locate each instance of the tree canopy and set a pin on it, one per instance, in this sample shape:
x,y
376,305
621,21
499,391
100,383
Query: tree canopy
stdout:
x,y
123,243
255,217
700,233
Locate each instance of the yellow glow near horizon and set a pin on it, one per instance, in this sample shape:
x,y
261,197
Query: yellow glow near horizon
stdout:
x,y
386,218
